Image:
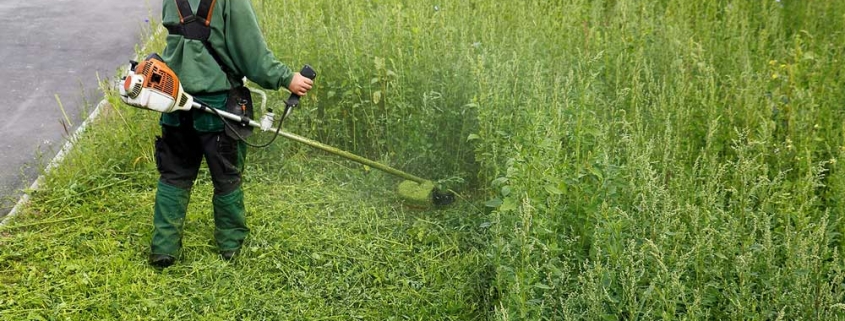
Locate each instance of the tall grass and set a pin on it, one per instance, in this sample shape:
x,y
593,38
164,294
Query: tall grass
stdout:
x,y
643,159
679,161
393,79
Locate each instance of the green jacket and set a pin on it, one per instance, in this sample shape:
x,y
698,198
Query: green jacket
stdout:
x,y
238,41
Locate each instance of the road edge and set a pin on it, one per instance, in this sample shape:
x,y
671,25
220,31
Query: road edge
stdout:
x,y
68,146
60,156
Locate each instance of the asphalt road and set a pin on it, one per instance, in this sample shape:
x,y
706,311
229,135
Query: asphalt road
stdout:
x,y
52,48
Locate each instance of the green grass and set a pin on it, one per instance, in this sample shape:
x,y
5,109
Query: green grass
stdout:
x,y
329,241
677,160
621,159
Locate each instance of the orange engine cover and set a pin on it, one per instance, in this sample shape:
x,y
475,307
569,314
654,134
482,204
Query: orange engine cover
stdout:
x,y
158,76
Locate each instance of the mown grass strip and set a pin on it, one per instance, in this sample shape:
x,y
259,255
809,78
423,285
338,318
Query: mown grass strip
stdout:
x,y
329,241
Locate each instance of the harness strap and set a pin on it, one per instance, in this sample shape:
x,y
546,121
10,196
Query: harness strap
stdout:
x,y
186,14
193,26
205,9
198,27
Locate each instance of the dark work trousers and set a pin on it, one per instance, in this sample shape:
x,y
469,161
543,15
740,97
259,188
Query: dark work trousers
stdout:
x,y
179,153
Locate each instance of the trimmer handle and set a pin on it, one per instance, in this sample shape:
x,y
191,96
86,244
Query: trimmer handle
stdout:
x,y
293,100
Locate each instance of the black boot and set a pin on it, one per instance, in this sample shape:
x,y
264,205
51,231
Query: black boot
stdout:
x,y
161,260
228,255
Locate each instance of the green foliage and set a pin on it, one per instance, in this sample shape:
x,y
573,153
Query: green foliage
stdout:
x,y
637,160
677,160
393,80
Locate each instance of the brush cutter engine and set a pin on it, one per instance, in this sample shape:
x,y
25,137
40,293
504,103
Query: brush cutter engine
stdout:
x,y
152,85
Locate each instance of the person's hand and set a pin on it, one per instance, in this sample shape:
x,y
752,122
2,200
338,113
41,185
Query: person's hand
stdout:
x,y
300,85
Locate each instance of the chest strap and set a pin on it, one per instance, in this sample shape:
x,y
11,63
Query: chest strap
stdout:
x,y
197,26
193,26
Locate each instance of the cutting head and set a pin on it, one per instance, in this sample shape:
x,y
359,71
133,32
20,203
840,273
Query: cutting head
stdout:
x,y
424,194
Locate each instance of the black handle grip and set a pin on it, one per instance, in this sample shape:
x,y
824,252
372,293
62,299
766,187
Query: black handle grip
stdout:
x,y
309,73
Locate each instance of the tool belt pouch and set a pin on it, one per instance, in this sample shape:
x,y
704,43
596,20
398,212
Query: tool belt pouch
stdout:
x,y
239,102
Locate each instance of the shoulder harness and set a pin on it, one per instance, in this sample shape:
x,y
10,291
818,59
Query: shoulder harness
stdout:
x,y
193,26
197,26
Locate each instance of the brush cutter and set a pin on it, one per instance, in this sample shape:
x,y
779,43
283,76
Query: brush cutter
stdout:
x,y
152,85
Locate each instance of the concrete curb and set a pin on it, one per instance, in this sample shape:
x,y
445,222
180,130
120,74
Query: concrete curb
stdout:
x,y
68,146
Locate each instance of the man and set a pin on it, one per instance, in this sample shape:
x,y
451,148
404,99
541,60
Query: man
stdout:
x,y
212,45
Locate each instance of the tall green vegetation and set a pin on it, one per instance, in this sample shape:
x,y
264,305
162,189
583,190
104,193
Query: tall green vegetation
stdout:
x,y
394,79
643,159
